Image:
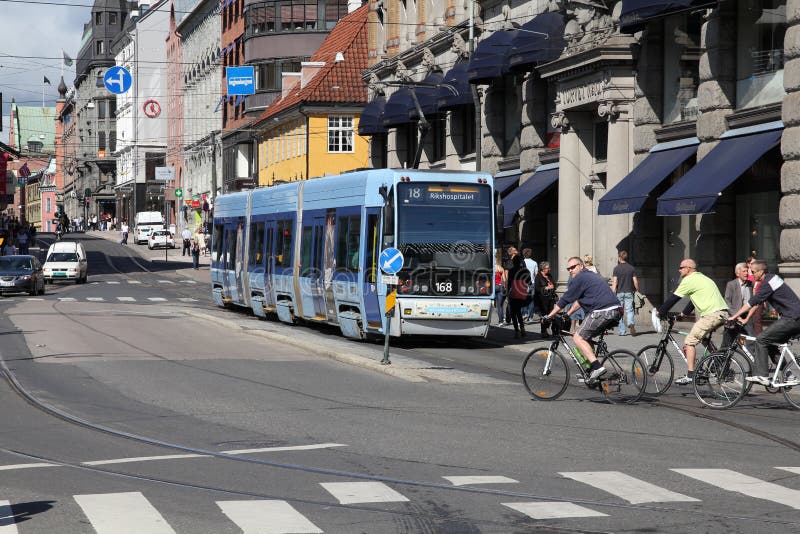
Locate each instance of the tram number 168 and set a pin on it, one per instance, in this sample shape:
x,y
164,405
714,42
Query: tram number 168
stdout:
x,y
444,287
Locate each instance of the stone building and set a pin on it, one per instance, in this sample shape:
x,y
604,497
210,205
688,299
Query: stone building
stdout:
x,y
665,129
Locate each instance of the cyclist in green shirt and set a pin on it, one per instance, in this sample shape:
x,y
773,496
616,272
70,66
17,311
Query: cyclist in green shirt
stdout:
x,y
710,305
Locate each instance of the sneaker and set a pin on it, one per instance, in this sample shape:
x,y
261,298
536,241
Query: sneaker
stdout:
x,y
684,381
597,373
763,380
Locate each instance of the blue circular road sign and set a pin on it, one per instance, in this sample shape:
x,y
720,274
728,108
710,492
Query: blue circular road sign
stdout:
x,y
391,260
118,80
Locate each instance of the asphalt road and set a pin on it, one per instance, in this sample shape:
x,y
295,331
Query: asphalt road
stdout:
x,y
132,404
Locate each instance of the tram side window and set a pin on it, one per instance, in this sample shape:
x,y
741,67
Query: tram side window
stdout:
x,y
230,252
283,249
218,232
270,243
256,252
347,243
372,249
305,261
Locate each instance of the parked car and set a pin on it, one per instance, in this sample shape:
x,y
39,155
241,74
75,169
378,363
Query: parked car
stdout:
x,y
160,239
20,274
66,260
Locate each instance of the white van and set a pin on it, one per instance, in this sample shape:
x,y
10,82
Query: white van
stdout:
x,y
144,223
66,260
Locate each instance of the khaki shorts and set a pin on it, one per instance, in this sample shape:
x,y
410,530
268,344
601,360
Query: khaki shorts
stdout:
x,y
704,326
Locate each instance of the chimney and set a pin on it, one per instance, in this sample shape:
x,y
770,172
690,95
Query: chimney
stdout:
x,y
288,80
308,69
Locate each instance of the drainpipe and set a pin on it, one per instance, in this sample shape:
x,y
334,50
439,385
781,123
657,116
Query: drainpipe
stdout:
x,y
308,129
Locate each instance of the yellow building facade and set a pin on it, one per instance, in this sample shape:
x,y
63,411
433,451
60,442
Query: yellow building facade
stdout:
x,y
323,144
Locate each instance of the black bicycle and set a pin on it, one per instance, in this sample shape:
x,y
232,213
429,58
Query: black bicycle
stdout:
x,y
546,374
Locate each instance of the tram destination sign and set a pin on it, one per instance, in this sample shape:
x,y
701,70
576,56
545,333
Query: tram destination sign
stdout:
x,y
442,195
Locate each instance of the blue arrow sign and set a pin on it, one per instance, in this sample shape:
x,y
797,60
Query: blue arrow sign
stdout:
x,y
391,260
241,80
118,80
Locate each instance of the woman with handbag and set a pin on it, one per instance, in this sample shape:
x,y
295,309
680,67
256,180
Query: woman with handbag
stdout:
x,y
519,280
545,291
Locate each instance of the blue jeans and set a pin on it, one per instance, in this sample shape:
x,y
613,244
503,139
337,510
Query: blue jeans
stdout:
x,y
499,301
626,301
529,309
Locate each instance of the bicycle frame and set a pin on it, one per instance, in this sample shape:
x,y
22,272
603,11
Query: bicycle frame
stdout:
x,y
788,355
707,342
600,348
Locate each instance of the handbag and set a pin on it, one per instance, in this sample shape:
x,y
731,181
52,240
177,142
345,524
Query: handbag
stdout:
x,y
519,290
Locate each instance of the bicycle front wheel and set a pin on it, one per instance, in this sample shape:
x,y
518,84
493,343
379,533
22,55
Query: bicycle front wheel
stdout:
x,y
545,373
625,379
791,371
719,381
659,373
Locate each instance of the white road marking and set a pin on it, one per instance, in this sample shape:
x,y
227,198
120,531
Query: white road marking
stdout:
x,y
465,480
7,524
746,485
267,517
144,459
165,282
187,299
126,299
626,487
790,469
156,299
113,282
95,299
26,466
66,299
189,281
122,513
552,510
34,298
287,448
134,281
362,492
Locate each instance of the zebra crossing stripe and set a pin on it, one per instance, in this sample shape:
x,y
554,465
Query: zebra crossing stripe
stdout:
x,y
126,299
134,281
112,282
187,299
156,299
746,485
165,282
626,487
267,517
552,510
362,492
66,299
122,513
790,469
95,299
7,523
467,480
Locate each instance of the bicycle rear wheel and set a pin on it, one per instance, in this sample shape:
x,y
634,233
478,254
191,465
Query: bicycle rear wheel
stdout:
x,y
792,393
625,379
658,380
545,373
719,381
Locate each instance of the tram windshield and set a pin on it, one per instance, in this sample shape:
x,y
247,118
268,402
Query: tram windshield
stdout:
x,y
445,234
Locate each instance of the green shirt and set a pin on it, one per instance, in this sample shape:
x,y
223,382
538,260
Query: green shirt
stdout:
x,y
703,293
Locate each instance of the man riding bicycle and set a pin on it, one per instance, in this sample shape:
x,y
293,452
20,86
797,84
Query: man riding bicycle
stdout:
x,y
588,290
774,290
709,303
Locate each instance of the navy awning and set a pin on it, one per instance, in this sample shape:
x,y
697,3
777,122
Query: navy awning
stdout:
x,y
457,79
698,191
542,179
400,109
371,120
504,182
490,58
539,40
429,96
632,191
637,13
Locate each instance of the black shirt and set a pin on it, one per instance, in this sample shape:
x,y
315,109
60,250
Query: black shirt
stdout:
x,y
624,273
780,295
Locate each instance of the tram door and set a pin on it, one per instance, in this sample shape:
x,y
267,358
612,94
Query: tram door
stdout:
x,y
311,265
370,269
329,261
269,265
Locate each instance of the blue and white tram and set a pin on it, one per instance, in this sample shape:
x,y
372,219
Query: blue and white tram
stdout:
x,y
308,250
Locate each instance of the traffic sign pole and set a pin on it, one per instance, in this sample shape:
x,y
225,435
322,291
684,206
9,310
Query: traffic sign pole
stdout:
x,y
391,261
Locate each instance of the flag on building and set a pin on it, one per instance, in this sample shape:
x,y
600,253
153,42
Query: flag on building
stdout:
x,y
67,59
46,80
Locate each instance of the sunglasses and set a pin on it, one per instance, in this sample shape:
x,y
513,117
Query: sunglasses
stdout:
x,y
571,267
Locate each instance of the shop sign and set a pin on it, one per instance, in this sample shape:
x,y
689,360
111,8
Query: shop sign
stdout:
x,y
578,95
196,204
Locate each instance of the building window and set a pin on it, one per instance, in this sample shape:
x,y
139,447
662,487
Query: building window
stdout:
x,y
98,47
48,205
112,107
340,133
467,114
101,108
112,141
760,37
292,15
438,138
101,141
601,141
112,18
681,67
98,18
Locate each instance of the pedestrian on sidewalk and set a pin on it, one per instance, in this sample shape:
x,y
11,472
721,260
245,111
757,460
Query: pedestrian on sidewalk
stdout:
x,y
519,281
124,232
499,289
186,234
197,245
623,284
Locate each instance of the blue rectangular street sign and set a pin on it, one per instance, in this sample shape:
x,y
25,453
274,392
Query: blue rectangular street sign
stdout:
x,y
241,80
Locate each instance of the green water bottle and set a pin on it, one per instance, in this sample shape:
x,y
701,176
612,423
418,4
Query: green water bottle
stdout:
x,y
581,359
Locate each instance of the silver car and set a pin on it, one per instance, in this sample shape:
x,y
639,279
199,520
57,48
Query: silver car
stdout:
x,y
20,274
